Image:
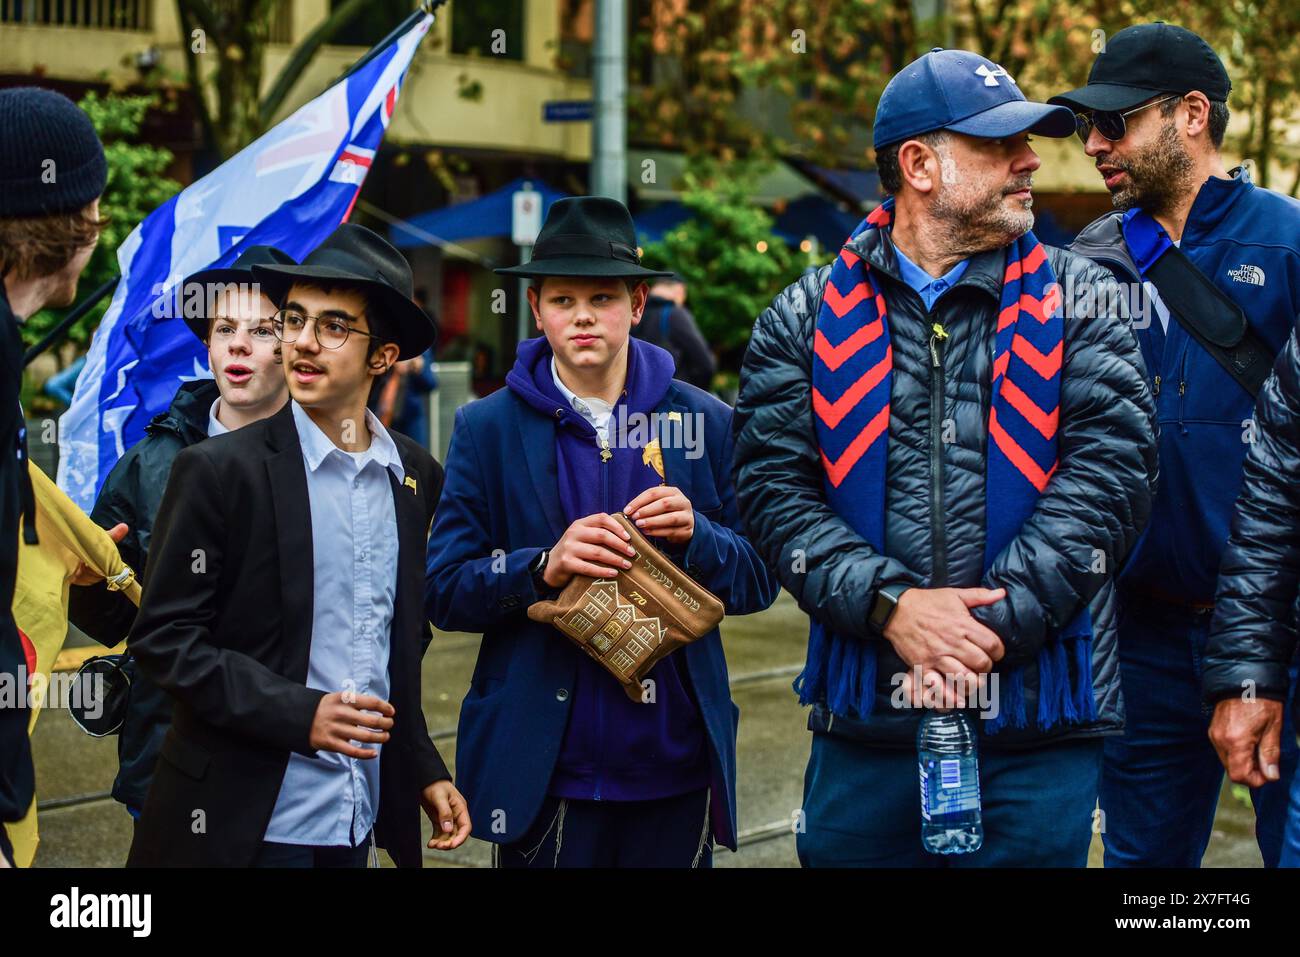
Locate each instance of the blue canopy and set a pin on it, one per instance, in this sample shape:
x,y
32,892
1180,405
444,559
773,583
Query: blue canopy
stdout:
x,y
487,216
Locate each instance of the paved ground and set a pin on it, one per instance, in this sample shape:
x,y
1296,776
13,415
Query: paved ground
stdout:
x,y
81,826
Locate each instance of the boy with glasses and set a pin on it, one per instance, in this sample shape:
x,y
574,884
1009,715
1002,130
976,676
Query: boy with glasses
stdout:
x,y
283,612
247,385
1153,116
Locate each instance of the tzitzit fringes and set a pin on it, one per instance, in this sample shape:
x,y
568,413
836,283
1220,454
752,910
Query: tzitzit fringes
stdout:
x,y
559,830
704,834
529,855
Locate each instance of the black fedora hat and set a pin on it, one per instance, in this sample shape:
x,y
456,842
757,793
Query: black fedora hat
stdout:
x,y
585,236
240,271
356,257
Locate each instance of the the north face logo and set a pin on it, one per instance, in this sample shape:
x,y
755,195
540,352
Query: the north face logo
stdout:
x,y
1248,274
991,76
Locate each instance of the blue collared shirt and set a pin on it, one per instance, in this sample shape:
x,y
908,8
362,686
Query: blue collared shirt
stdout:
x,y
333,799
926,286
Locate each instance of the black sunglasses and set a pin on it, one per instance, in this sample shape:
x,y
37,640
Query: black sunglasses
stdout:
x,y
1110,123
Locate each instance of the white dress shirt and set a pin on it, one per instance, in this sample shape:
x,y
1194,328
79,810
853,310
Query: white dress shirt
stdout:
x,y
595,410
333,799
214,424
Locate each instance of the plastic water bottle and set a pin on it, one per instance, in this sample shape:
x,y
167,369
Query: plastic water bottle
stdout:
x,y
948,761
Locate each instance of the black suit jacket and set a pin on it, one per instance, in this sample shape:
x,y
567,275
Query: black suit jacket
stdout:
x,y
225,628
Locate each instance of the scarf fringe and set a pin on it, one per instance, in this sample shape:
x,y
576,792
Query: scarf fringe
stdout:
x,y
1011,702
1065,692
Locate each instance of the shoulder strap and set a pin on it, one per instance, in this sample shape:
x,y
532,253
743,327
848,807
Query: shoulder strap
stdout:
x,y
1212,319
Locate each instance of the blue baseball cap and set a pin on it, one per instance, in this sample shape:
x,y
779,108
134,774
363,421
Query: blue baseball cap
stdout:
x,y
963,92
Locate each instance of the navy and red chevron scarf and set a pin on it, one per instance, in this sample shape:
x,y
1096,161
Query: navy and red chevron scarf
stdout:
x,y
850,395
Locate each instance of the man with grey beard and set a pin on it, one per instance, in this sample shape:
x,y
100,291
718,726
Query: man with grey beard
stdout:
x,y
943,458
1153,117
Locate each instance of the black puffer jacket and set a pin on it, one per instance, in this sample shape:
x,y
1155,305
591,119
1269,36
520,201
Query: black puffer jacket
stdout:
x,y
1253,636
131,494
1097,502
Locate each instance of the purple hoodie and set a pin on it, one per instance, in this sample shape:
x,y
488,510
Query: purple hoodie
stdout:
x,y
615,749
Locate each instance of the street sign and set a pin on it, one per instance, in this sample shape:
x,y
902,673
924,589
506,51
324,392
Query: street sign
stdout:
x,y
567,111
526,221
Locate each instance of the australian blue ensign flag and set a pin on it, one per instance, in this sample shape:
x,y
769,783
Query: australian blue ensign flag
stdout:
x,y
289,189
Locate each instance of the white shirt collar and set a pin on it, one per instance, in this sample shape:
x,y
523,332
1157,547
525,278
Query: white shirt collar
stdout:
x,y
316,445
214,424
595,410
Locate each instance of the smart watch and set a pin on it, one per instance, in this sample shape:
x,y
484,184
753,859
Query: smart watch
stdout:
x,y
882,609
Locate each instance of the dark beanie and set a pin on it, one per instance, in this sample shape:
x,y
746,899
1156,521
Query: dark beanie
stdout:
x,y
36,127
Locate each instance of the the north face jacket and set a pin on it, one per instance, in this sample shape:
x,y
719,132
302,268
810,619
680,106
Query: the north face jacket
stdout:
x,y
1065,555
1246,240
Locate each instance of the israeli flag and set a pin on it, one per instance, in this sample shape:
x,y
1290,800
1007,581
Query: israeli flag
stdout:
x,y
289,189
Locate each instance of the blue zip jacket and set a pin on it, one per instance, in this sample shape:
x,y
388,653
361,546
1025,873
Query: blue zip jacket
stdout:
x,y
500,507
614,748
1246,240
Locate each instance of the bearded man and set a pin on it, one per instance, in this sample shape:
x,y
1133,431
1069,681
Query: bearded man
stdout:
x,y
944,459
1202,247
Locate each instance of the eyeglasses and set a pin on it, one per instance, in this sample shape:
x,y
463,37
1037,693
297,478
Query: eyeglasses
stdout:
x,y
1110,123
331,331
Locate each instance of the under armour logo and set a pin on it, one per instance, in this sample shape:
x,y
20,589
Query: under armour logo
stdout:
x,y
991,76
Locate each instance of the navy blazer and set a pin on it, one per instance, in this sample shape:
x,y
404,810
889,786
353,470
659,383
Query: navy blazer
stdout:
x,y
500,507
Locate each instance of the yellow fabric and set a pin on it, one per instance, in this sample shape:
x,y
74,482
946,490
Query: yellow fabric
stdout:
x,y
67,538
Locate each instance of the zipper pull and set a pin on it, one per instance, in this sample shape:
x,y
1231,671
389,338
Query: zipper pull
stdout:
x,y
1156,388
1182,387
605,453
937,335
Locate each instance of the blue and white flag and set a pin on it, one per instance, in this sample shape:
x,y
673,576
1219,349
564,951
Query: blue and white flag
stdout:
x,y
289,189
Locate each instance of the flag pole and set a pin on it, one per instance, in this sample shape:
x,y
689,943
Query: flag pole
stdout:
x,y
426,7
58,332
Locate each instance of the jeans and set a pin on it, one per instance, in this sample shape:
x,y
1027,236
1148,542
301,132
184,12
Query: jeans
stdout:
x,y
1161,780
862,807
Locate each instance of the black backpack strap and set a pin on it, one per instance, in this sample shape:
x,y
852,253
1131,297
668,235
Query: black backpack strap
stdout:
x,y
1212,319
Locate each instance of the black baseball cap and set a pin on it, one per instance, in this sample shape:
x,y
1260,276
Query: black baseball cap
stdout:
x,y
1143,61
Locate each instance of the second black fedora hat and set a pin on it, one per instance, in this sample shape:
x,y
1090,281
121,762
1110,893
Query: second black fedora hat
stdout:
x,y
355,256
238,272
585,236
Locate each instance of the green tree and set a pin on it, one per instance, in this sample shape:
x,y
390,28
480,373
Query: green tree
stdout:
x,y
820,67
136,187
225,45
728,255
1256,39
